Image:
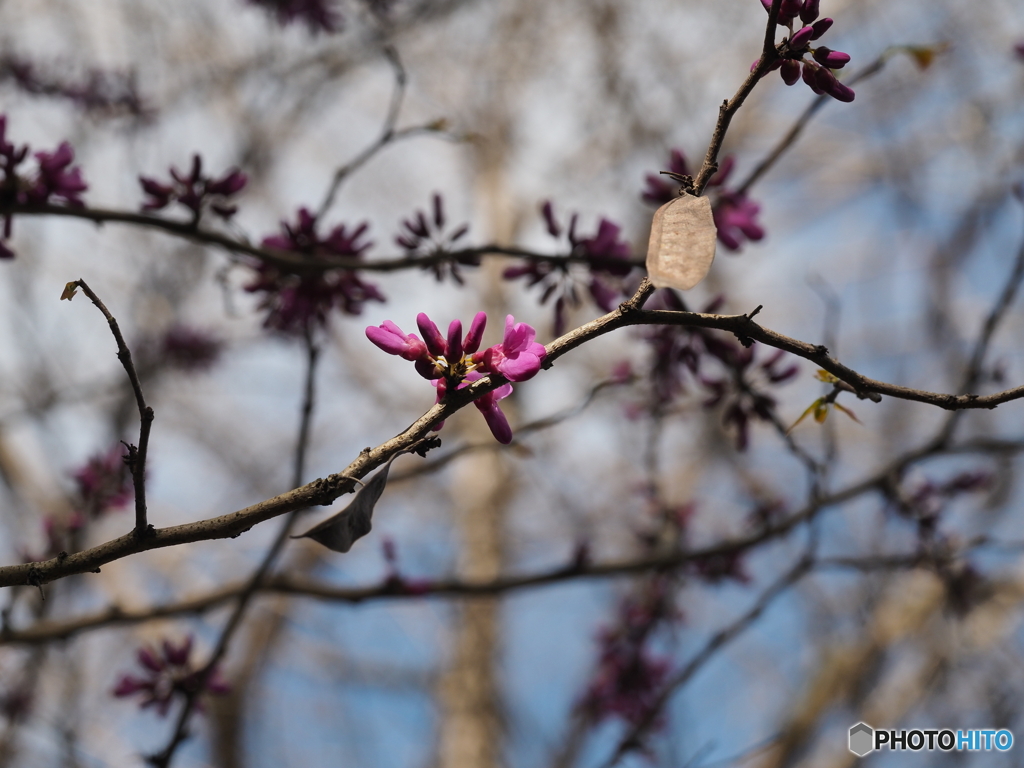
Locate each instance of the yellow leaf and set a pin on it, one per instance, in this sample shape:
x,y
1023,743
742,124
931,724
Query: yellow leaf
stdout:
x,y
806,413
828,378
924,55
69,291
821,412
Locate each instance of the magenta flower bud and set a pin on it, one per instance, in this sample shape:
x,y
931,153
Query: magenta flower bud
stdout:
x,y
810,11
431,336
820,27
810,75
230,183
790,71
178,654
801,38
455,341
476,333
438,211
149,660
767,5
390,338
831,59
840,92
549,218
790,9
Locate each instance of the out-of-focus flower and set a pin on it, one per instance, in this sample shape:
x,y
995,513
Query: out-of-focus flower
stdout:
x,y
54,181
603,254
168,674
453,362
189,349
297,302
98,92
104,483
424,235
195,191
318,15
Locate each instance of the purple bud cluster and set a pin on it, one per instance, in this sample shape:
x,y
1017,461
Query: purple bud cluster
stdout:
x,y
195,191
603,254
318,15
735,214
168,674
925,501
55,180
629,674
294,302
727,371
100,92
817,73
104,483
454,362
424,235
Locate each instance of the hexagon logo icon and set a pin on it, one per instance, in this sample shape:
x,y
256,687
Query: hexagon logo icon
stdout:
x,y
862,739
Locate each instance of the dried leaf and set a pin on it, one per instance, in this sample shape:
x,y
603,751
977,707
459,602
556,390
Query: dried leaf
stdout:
x,y
339,532
69,291
682,244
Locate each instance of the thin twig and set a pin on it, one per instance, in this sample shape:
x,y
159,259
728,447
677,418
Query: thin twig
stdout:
x,y
387,132
136,455
163,758
714,644
728,108
324,491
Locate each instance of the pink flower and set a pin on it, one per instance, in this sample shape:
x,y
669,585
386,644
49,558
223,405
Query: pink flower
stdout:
x,y
168,673
518,357
453,361
392,340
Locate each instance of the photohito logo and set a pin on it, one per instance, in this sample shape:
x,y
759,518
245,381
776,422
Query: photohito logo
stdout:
x,y
864,739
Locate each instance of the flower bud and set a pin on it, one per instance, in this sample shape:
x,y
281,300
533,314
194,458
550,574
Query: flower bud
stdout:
x,y
831,59
790,71
801,38
820,27
810,11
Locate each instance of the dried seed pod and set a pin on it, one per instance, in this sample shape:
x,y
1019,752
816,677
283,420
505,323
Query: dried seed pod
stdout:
x,y
682,244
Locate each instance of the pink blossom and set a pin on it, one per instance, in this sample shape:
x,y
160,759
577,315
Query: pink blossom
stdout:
x,y
518,357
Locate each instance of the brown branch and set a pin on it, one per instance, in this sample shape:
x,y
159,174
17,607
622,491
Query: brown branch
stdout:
x,y
729,108
136,456
325,490
299,262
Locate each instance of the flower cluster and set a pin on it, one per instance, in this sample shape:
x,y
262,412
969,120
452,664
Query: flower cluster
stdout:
x,y
54,180
923,502
819,73
629,675
423,236
319,15
104,483
168,674
195,191
189,349
735,214
297,302
454,362
99,92
605,257
737,382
